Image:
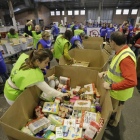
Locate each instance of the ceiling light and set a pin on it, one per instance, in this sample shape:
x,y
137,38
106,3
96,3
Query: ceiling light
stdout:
x,y
56,9
84,8
116,7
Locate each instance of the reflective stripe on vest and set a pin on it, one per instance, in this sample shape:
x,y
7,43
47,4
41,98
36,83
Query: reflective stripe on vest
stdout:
x,y
114,67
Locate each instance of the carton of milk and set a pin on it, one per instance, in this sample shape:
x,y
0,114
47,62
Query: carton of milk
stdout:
x,y
59,133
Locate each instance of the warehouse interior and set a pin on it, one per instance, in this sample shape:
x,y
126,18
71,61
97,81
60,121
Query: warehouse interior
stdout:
x,y
90,17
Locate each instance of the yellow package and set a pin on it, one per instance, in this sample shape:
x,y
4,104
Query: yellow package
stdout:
x,y
98,117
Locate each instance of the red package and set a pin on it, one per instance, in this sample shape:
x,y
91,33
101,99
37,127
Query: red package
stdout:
x,y
60,86
38,111
91,130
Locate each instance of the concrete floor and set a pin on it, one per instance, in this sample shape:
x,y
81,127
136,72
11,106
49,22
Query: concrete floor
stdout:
x,y
129,125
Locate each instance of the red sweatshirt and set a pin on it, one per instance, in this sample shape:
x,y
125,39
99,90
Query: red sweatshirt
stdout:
x,y
128,70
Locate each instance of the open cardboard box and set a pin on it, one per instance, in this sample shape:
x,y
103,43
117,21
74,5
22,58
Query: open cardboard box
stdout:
x,y
81,63
18,114
108,48
93,39
138,67
92,45
98,60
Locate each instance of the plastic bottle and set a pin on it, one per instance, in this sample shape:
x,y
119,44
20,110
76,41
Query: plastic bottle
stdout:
x,y
56,82
52,83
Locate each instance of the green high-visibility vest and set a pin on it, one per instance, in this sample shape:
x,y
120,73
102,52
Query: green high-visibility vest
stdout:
x,y
71,26
29,28
13,36
59,46
78,32
25,34
60,25
36,38
21,78
114,75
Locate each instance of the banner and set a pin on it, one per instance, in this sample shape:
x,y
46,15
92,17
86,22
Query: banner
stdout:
x,y
93,32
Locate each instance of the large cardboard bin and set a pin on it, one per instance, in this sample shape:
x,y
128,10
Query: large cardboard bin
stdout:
x,y
98,60
99,39
92,45
18,114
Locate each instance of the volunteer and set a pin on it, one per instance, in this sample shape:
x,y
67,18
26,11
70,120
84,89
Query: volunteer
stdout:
x,y
119,26
121,77
72,25
35,34
75,27
27,72
54,31
76,41
87,26
62,45
80,30
103,31
59,25
12,34
109,30
126,31
3,73
135,44
68,26
136,29
43,43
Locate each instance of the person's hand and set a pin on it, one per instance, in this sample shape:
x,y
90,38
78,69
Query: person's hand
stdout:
x,y
72,60
66,94
106,85
130,45
29,23
52,77
102,74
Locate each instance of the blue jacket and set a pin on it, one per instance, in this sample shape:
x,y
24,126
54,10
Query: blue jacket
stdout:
x,y
46,44
102,31
74,38
68,26
109,31
2,64
85,30
76,27
131,30
55,30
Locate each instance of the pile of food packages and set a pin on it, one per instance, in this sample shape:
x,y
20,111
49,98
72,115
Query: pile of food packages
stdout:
x,y
75,117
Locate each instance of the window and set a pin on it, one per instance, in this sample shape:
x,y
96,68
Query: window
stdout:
x,y
125,11
69,12
82,12
76,12
63,13
118,11
58,13
52,13
134,11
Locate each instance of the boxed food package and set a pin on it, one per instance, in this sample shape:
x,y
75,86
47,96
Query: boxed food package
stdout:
x,y
55,120
98,60
90,89
22,110
82,105
81,63
50,107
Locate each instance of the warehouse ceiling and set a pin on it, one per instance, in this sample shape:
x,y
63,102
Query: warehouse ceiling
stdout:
x,y
20,5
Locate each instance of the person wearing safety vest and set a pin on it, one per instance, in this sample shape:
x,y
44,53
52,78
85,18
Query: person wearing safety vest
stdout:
x,y
12,34
29,27
27,73
135,44
76,41
3,72
136,29
103,32
75,27
109,30
35,34
126,32
62,46
79,31
72,25
43,43
59,25
54,31
121,77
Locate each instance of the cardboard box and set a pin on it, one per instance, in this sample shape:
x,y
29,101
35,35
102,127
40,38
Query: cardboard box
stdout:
x,y
138,67
108,48
92,45
99,39
97,59
18,114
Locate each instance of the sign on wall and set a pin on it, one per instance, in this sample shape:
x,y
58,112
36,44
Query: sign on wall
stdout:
x,y
93,32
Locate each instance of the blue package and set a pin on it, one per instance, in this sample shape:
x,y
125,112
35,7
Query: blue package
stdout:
x,y
38,136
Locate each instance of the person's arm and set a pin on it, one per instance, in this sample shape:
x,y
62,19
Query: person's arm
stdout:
x,y
135,38
66,54
28,32
52,30
40,46
129,74
73,30
7,37
79,45
47,89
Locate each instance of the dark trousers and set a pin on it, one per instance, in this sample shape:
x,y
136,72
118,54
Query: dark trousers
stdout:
x,y
4,76
54,38
135,50
103,38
